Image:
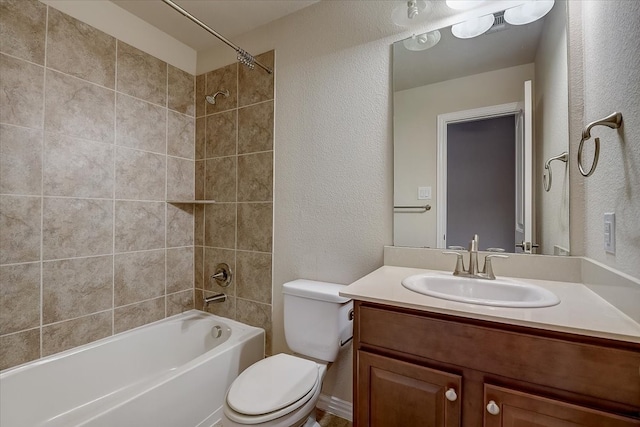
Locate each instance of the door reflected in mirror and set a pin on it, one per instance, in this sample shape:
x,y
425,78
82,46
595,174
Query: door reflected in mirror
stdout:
x,y
474,122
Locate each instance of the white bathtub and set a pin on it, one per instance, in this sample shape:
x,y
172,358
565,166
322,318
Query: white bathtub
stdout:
x,y
171,373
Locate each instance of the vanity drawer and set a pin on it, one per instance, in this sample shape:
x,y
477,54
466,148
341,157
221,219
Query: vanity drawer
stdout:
x,y
599,368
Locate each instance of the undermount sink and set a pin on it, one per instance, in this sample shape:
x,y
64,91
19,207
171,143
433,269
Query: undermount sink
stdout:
x,y
497,293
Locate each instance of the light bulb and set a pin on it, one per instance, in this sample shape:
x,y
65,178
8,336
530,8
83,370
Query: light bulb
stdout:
x,y
422,41
473,27
528,12
409,13
463,4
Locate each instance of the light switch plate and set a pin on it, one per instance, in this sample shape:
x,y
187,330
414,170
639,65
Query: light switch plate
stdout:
x,y
424,193
610,232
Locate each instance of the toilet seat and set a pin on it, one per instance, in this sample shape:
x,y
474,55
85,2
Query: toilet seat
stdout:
x,y
272,388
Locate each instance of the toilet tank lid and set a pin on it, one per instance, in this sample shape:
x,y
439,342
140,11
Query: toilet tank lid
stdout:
x,y
323,291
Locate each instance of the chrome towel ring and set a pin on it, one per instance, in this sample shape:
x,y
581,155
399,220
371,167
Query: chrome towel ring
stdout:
x,y
613,121
547,167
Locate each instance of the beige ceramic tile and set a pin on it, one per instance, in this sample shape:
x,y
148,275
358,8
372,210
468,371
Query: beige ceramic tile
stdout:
x,y
258,315
78,108
199,179
77,168
255,128
179,302
200,102
181,91
226,308
179,269
220,179
21,89
73,333
201,135
255,225
132,316
141,125
19,229
76,48
220,225
22,29
76,228
19,297
255,177
140,175
213,257
198,225
139,226
224,78
253,276
76,287
179,225
181,135
141,75
20,160
221,134
138,276
198,267
180,179
256,85
16,349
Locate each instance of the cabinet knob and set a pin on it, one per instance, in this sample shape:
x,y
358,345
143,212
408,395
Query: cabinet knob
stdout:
x,y
451,395
493,408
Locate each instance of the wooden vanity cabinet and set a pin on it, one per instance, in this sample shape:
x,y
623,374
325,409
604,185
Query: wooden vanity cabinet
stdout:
x,y
415,368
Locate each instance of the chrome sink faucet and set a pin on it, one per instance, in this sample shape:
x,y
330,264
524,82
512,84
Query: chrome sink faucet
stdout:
x,y
473,270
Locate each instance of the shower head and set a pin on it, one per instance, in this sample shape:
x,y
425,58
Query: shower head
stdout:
x,y
211,99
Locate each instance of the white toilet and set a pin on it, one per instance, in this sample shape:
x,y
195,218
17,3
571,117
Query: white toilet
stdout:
x,y
282,390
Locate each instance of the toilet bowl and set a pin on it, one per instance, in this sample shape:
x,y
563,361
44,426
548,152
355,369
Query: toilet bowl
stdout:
x,y
279,391
282,390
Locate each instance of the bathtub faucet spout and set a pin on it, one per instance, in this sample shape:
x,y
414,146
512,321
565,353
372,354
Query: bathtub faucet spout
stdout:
x,y
215,298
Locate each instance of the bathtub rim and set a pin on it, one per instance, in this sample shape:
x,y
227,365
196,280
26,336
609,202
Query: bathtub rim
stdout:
x,y
233,324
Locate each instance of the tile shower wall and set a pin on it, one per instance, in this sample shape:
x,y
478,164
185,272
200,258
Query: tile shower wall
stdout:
x,y
234,167
95,135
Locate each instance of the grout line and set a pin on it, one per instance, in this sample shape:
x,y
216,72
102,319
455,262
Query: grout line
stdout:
x,y
166,187
42,165
235,245
115,185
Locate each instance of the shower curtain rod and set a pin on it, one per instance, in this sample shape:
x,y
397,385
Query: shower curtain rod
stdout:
x,y
244,57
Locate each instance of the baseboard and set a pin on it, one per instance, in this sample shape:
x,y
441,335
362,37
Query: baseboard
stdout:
x,y
336,406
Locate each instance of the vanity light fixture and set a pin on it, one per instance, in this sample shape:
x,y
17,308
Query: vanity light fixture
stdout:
x,y
409,13
422,41
530,11
463,4
473,27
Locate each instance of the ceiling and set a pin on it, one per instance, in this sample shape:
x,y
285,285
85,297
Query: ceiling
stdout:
x,y
228,17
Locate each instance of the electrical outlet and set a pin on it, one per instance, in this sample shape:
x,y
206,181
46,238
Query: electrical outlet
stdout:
x,y
610,233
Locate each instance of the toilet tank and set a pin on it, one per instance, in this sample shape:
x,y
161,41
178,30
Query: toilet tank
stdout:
x,y
316,318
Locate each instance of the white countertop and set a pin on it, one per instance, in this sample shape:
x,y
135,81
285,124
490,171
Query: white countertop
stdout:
x,y
581,311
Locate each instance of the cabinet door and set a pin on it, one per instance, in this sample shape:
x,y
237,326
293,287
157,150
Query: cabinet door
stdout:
x,y
510,408
392,393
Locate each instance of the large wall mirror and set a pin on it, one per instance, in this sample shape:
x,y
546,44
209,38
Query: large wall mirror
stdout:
x,y
480,136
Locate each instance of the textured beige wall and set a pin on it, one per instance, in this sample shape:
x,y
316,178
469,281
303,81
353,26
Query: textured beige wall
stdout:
x,y
415,139
605,77
552,133
88,246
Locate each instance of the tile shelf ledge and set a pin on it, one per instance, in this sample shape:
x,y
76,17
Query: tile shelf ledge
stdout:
x,y
195,202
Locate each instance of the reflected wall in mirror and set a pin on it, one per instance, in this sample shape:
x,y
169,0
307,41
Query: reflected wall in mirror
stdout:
x,y
475,120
